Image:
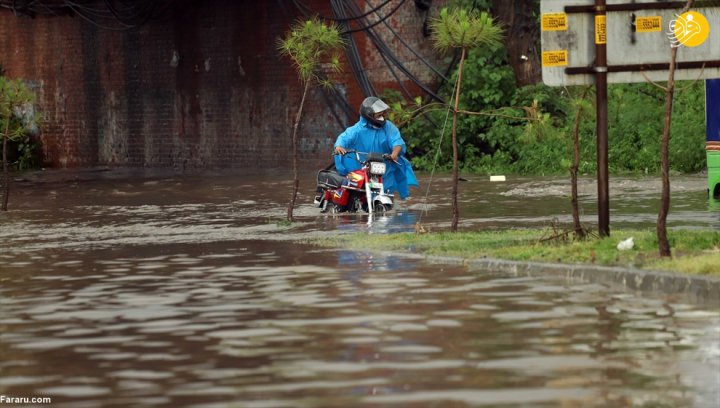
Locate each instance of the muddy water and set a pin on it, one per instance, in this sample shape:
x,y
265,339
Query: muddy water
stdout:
x,y
158,290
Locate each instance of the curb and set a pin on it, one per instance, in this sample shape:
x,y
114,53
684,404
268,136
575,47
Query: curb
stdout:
x,y
702,290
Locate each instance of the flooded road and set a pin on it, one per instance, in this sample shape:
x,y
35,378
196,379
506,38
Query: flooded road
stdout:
x,y
123,290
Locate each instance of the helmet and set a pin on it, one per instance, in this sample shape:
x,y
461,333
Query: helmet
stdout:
x,y
369,107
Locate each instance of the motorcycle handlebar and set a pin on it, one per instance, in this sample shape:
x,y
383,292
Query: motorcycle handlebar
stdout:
x,y
384,155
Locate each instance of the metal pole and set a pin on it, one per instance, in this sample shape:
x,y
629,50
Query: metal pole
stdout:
x,y
602,118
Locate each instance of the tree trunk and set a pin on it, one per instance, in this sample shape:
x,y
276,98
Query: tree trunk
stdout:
x,y
6,170
296,177
663,243
522,37
579,232
456,175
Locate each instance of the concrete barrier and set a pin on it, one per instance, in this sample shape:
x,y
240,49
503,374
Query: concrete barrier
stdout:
x,y
703,290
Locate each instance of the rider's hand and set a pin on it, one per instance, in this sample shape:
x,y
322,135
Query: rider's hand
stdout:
x,y
340,150
395,153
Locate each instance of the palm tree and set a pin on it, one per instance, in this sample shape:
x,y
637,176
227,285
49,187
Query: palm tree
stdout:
x,y
458,28
14,101
312,46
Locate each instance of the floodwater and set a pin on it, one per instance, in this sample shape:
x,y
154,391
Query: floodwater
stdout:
x,y
131,289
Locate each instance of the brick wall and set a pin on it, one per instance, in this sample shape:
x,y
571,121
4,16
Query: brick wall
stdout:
x,y
201,87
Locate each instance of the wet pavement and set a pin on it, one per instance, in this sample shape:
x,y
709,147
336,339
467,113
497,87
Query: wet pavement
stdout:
x,y
136,289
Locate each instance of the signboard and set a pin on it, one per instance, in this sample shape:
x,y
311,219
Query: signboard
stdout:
x,y
638,36
712,109
649,24
600,30
554,22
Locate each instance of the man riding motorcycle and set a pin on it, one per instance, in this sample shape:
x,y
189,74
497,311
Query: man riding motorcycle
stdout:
x,y
375,133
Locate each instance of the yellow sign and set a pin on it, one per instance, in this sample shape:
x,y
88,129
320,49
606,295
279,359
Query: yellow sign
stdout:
x,y
554,22
555,58
600,30
690,29
648,24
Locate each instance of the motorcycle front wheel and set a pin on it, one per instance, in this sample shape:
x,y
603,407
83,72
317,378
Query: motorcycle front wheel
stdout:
x,y
382,208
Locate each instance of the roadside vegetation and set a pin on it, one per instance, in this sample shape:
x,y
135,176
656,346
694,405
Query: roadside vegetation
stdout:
x,y
695,252
313,48
528,129
18,121
538,130
504,143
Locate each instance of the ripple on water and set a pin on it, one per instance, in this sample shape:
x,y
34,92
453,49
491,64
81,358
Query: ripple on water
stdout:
x,y
443,323
411,349
75,391
49,344
342,321
516,395
257,323
141,374
244,333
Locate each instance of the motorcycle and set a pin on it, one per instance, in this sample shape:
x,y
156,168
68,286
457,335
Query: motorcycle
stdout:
x,y
360,190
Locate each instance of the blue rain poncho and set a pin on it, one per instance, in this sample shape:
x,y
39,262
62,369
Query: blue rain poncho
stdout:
x,y
399,177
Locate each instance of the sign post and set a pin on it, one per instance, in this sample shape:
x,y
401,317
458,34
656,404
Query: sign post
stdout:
x,y
575,34
601,122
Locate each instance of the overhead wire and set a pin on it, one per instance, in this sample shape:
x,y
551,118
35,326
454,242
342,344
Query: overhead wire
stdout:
x,y
333,99
413,51
437,156
136,18
406,92
385,50
105,15
352,52
337,19
389,58
375,23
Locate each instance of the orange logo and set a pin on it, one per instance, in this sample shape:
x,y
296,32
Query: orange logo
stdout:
x,y
690,29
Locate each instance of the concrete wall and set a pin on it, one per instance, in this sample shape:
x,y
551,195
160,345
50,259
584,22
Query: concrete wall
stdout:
x,y
201,87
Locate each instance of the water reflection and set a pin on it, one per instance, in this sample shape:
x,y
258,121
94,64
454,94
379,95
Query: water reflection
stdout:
x,y
401,220
252,323
181,293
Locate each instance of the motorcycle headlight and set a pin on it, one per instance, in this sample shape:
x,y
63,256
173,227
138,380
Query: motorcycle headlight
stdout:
x,y
377,168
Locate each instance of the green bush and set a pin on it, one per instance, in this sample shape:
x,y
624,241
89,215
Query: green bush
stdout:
x,y
503,143
19,124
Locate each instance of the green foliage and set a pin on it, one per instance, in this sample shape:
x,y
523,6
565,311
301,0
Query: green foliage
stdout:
x,y
507,141
688,136
636,114
529,130
401,111
312,45
459,27
488,85
18,119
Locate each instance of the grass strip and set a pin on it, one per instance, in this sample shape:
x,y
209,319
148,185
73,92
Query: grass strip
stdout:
x,y
694,251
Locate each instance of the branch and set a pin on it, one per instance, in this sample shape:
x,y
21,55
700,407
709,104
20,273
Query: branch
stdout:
x,y
694,81
653,83
498,115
